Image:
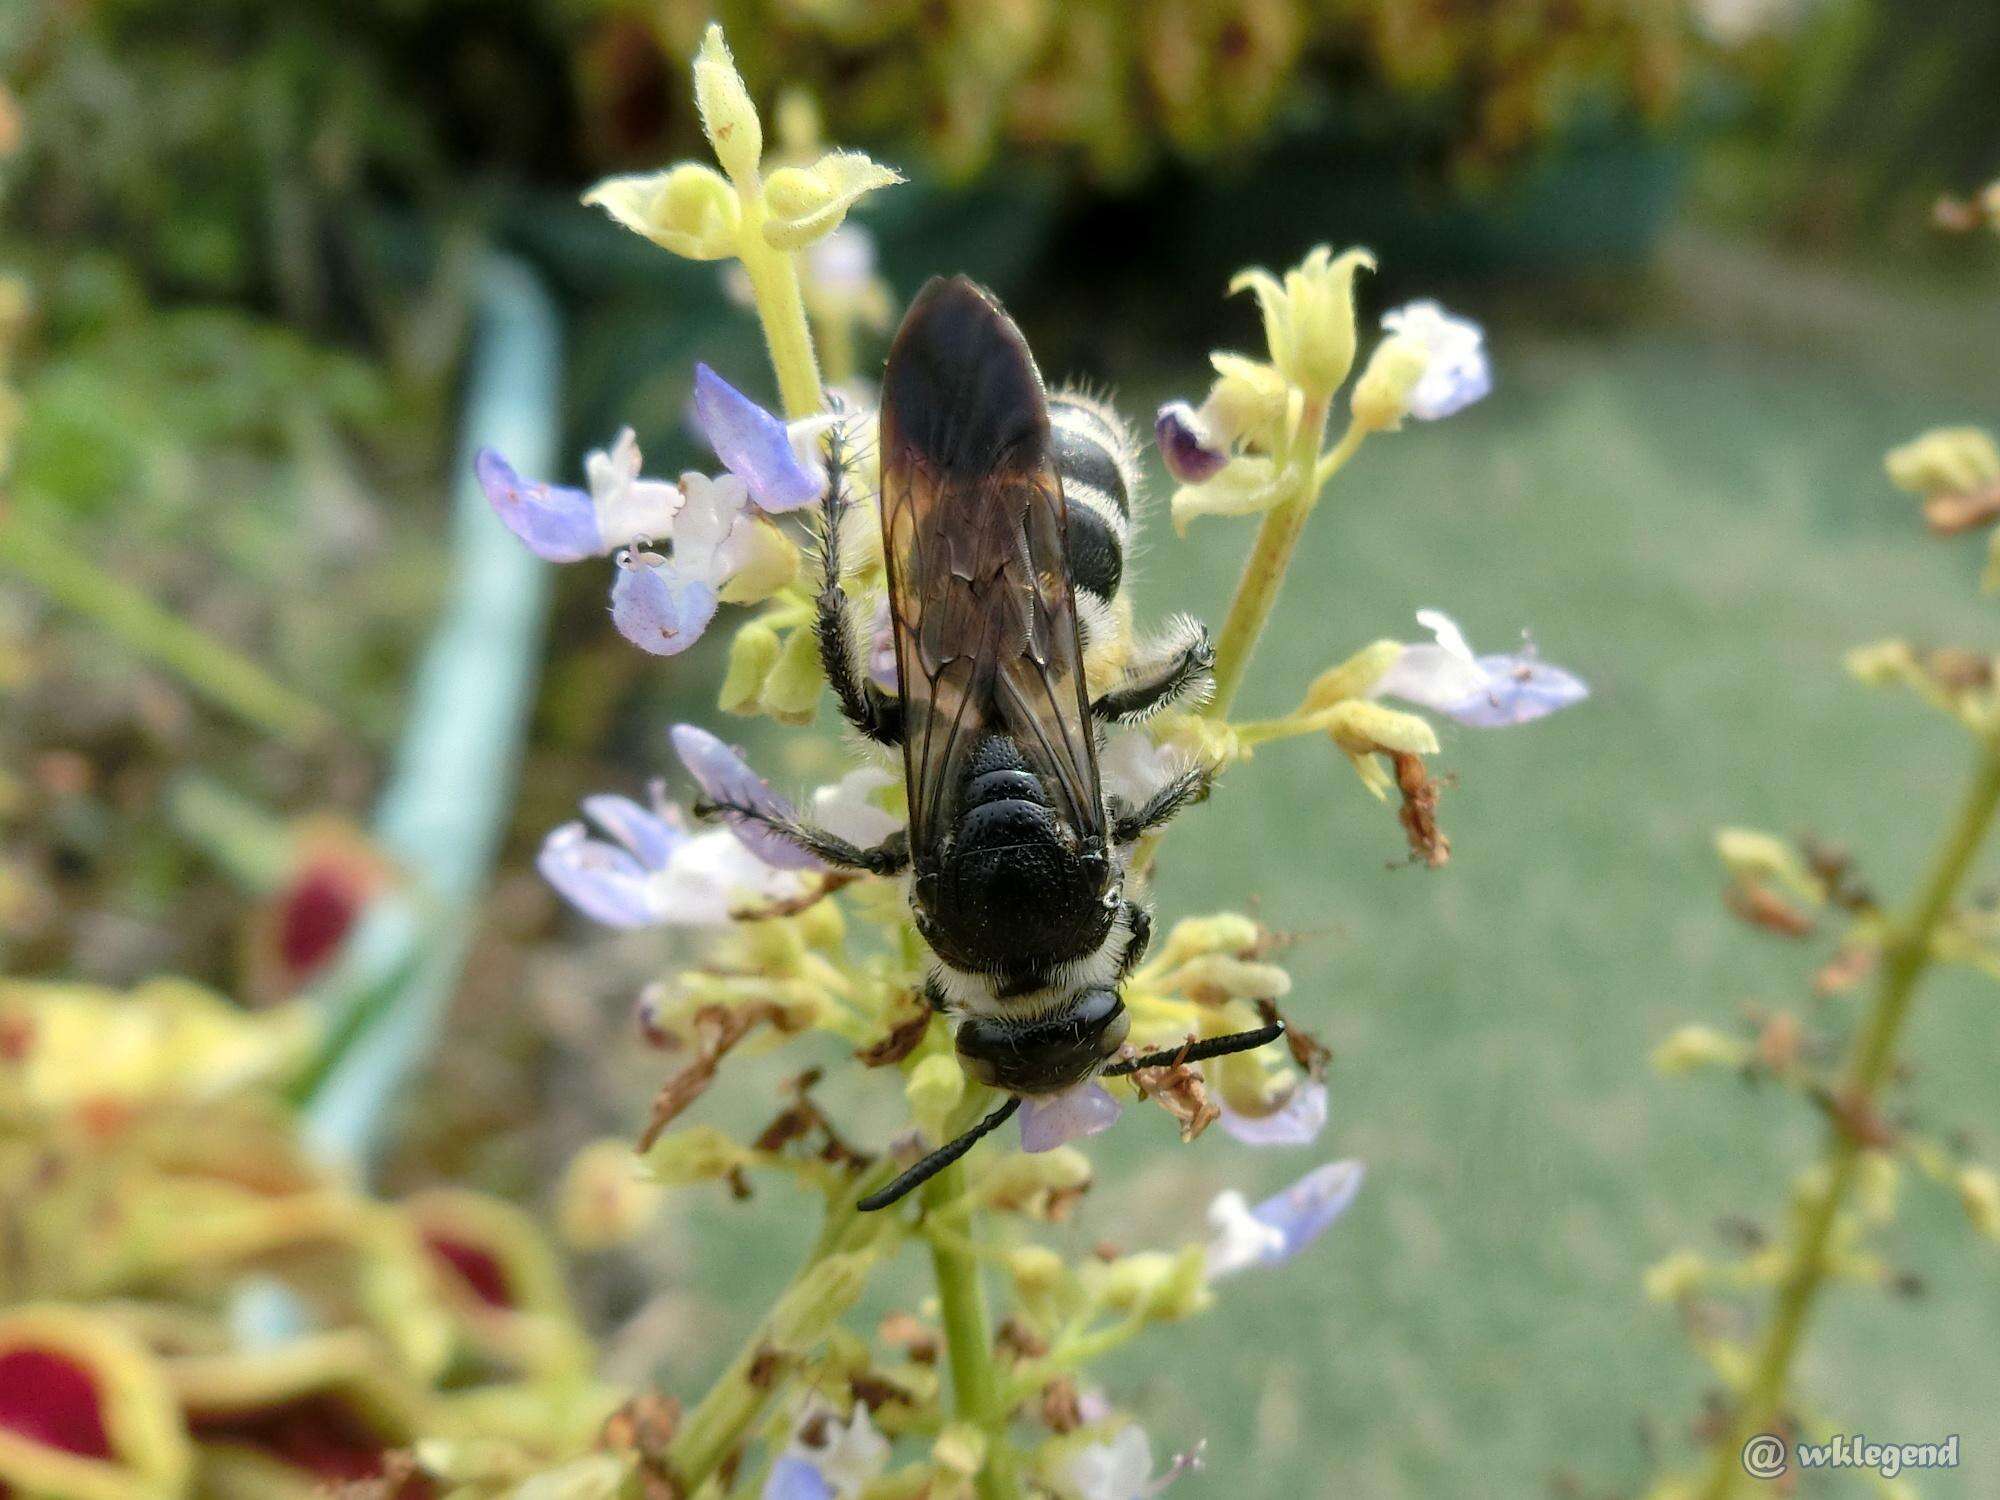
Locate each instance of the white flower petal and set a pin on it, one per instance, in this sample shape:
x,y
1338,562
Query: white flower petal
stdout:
x,y
1133,767
1121,1469
848,807
1458,372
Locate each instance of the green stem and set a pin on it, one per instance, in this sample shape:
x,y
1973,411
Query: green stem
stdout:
x,y
716,1424
968,1336
1270,558
72,577
1870,1062
1074,1353
781,308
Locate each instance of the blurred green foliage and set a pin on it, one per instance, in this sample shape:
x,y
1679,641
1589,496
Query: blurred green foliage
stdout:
x,y
1111,87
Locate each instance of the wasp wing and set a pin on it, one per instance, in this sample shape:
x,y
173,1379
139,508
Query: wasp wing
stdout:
x,y
974,532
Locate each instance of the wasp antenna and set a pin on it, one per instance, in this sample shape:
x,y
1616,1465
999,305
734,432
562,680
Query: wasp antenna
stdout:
x,y
1215,1046
939,1159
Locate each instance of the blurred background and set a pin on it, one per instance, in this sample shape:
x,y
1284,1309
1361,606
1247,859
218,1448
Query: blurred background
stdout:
x,y
263,255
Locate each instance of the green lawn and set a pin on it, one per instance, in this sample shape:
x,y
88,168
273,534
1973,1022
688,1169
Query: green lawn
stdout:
x,y
1698,524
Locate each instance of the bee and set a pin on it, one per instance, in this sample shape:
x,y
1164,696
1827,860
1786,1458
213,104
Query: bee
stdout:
x,y
1005,517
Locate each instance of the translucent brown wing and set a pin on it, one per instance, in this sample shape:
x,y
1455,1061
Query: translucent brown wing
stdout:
x,y
974,530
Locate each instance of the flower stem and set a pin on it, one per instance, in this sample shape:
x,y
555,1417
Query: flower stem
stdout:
x,y
774,286
968,1336
1870,1062
73,578
716,1424
1270,558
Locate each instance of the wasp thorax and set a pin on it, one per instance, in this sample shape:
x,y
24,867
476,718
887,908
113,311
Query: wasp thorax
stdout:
x,y
1016,891
1047,1053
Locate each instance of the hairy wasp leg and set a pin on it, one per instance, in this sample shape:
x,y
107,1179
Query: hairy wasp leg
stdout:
x,y
1139,923
939,1159
1184,790
876,714
1176,663
1201,1051
890,857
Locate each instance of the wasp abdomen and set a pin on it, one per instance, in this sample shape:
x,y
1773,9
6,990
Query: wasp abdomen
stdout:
x,y
1096,459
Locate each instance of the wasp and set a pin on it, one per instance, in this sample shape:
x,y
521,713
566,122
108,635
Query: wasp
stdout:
x,y
1005,516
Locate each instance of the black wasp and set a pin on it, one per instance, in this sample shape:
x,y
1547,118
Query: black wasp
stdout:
x,y
1003,527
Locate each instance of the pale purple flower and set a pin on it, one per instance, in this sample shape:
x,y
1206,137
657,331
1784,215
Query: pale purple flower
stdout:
x,y
621,508
1122,1468
653,871
663,604
556,523
882,648
658,606
836,1462
1190,453
1281,1226
613,882
757,447
794,1478
1485,692
725,776
1520,687
1297,1121
1052,1120
1458,373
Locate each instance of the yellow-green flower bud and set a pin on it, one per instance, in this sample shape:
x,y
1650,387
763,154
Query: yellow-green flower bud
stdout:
x,y
960,1449
1309,318
1223,932
822,926
689,209
1036,1183
1036,1270
1679,1275
752,655
1154,1284
772,562
1699,1047
1945,461
1361,727
1979,1191
1224,976
791,691
689,1154
1245,486
606,1198
728,117
934,1088
1381,396
1755,856
1353,677
1247,403
805,204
